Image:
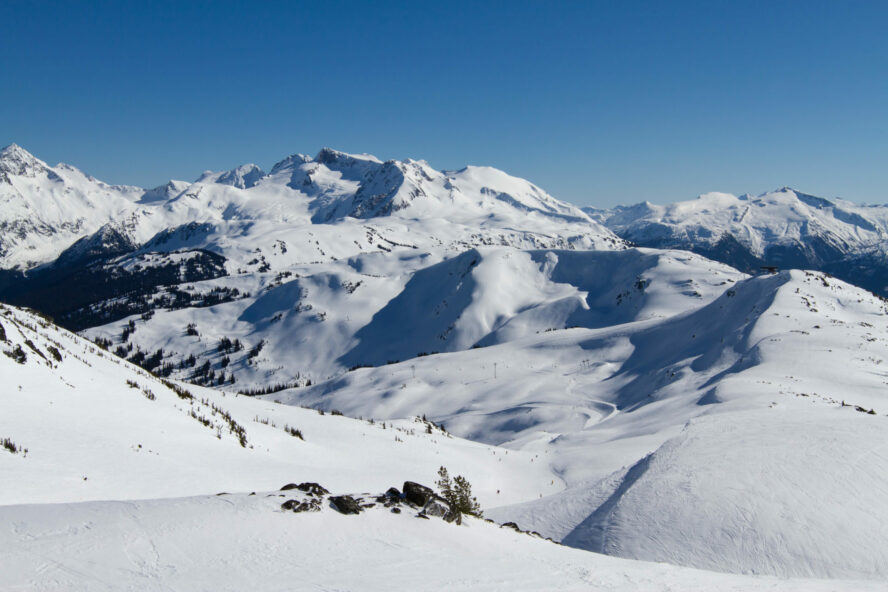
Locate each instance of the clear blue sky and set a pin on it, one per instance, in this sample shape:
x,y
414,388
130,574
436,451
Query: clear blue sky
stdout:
x,y
597,102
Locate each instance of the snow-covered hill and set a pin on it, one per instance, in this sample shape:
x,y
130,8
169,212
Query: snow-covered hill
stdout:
x,y
369,310
783,228
44,209
79,424
744,435
640,402
96,427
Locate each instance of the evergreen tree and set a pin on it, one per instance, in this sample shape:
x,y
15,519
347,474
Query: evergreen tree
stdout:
x,y
458,493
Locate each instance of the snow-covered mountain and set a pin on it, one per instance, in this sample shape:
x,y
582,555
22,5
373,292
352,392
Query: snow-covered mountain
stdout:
x,y
121,480
319,320
371,204
96,427
784,228
44,209
646,403
745,434
631,373
60,228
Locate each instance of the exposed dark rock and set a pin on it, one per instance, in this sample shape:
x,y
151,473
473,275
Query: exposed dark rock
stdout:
x,y
294,505
345,504
511,525
288,487
393,492
396,510
417,494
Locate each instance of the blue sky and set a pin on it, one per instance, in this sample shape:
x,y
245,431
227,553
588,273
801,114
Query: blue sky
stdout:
x,y
597,102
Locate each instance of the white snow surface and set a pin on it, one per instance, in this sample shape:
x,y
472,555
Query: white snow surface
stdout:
x,y
242,542
116,491
92,435
372,309
643,403
734,436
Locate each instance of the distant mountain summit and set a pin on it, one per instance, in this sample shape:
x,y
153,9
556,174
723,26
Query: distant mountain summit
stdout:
x,y
63,230
15,160
242,177
46,209
783,228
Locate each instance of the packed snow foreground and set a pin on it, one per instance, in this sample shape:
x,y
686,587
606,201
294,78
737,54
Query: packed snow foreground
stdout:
x,y
647,404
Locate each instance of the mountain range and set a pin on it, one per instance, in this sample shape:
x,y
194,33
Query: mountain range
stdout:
x,y
783,228
625,381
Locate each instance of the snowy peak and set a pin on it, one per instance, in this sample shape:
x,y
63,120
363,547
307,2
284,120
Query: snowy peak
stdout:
x,y
337,160
164,192
242,177
47,212
290,163
15,160
785,228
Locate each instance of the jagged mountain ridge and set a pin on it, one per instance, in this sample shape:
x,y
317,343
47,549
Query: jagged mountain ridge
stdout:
x,y
784,228
46,209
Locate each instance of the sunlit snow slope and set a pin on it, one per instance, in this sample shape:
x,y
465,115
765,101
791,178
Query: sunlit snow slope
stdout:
x,y
83,425
734,436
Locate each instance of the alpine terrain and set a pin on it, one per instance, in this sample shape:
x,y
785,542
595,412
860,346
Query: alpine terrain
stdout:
x,y
267,380
783,228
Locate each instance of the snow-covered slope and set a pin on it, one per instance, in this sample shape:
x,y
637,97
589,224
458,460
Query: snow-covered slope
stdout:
x,y
735,436
241,542
783,228
96,427
373,309
644,403
121,247
78,424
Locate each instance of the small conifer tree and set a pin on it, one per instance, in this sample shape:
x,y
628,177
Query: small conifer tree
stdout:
x,y
458,493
